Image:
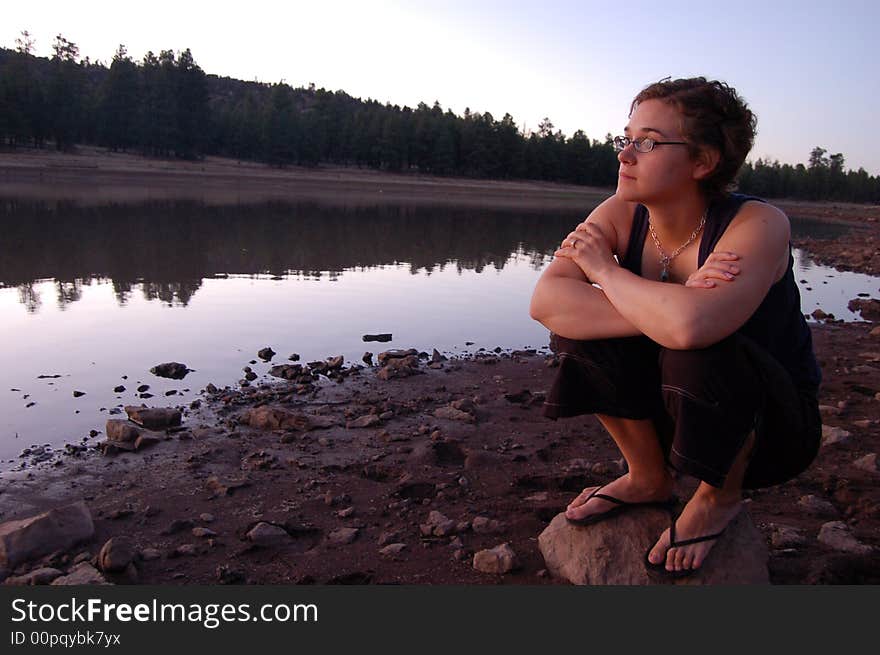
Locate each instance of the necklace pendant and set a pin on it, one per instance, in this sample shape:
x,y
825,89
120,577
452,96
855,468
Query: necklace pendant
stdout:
x,y
664,275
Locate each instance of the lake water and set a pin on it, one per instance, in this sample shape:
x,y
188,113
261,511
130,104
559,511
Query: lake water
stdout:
x,y
99,295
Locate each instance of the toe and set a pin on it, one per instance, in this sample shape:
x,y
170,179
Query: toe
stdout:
x,y
687,561
581,498
658,552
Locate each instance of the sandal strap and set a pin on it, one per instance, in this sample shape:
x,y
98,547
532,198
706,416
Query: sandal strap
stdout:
x,y
686,542
612,499
696,540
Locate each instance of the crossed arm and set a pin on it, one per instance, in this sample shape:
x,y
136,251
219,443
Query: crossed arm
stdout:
x,y
675,316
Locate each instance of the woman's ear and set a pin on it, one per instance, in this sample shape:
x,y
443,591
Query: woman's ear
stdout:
x,y
706,162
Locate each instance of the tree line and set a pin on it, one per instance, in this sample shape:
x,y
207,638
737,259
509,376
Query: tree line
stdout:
x,y
166,105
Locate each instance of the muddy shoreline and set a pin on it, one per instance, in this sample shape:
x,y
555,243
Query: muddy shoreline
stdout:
x,y
343,493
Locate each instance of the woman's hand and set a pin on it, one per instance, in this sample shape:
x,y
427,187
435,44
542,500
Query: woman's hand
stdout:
x,y
718,266
589,248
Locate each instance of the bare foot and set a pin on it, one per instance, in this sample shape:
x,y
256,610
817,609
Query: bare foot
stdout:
x,y
706,513
623,488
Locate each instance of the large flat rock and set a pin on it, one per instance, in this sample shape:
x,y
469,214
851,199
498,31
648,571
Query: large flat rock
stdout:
x,y
58,529
612,552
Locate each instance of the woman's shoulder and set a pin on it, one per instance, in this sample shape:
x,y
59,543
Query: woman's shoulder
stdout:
x,y
759,214
615,217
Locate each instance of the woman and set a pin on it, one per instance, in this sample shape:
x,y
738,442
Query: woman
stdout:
x,y
693,350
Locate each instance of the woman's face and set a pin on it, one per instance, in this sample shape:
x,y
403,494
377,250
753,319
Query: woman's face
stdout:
x,y
667,170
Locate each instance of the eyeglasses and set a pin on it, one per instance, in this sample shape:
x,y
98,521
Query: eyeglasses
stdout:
x,y
642,143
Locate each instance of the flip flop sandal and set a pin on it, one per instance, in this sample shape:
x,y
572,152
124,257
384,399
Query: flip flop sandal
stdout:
x,y
621,506
659,570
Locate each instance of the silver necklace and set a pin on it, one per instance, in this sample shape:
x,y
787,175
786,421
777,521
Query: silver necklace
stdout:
x,y
666,260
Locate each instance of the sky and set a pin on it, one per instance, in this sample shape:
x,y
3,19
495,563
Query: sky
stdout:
x,y
807,69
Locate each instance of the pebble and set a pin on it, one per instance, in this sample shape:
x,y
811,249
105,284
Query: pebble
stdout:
x,y
265,534
148,554
203,532
837,535
867,463
787,537
483,525
500,559
343,536
816,505
833,435
392,549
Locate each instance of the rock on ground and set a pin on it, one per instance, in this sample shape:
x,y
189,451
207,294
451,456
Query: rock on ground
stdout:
x,y
173,370
266,534
116,554
56,530
837,535
500,559
39,576
154,418
82,573
612,552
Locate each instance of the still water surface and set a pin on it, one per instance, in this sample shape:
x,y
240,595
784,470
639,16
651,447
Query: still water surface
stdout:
x,y
99,295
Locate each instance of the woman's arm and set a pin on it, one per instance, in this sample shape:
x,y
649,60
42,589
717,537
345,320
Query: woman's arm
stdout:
x,y
568,305
685,318
565,301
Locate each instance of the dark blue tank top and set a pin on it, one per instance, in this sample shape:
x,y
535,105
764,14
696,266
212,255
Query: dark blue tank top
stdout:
x,y
777,324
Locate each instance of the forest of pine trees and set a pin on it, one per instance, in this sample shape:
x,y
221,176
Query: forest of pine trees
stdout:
x,y
165,105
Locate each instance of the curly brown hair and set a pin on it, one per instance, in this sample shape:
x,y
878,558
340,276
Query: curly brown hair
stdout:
x,y
714,115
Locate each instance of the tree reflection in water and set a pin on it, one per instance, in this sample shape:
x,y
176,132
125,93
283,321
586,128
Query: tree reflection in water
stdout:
x,y
165,249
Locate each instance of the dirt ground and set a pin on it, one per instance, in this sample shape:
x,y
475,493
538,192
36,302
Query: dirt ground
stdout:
x,y
506,463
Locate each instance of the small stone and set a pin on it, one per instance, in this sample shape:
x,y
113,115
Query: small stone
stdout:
x,y
345,513
173,370
833,435
82,574
149,554
185,550
483,525
786,537
266,354
121,430
39,576
343,536
867,463
205,517
837,535
78,394
178,525
392,549
815,505
367,421
389,537
116,554
228,575
453,414
203,533
118,389
266,534
500,559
